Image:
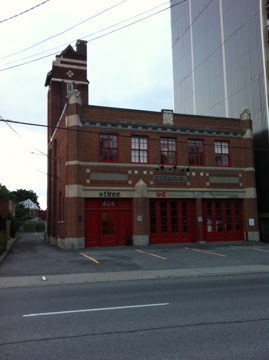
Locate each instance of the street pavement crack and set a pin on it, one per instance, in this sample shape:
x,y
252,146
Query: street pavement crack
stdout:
x,y
135,331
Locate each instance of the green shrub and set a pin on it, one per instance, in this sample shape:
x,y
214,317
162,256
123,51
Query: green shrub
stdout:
x,y
38,226
3,241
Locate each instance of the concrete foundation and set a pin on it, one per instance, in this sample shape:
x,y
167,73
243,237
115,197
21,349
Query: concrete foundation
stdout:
x,y
74,243
141,240
253,236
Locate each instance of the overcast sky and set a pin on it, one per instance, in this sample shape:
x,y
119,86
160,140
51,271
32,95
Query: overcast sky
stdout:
x,y
129,68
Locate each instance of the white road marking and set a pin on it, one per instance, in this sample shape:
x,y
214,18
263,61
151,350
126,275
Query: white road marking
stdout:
x,y
100,309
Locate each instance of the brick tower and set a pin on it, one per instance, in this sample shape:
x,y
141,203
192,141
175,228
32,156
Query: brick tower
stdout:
x,y
69,72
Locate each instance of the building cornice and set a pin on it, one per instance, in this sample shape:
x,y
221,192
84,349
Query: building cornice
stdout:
x,y
160,128
151,167
69,81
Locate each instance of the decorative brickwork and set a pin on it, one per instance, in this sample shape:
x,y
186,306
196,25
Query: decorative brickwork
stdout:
x,y
181,191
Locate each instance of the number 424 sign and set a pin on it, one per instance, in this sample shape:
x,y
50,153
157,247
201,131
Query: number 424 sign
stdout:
x,y
108,203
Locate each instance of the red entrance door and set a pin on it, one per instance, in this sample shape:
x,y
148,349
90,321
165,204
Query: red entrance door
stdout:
x,y
223,220
108,228
107,222
172,221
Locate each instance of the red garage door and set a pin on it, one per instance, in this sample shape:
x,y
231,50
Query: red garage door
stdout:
x,y
108,222
172,221
224,220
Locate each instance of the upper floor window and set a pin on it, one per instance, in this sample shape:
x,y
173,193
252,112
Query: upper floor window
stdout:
x,y
195,152
139,150
108,148
222,153
168,151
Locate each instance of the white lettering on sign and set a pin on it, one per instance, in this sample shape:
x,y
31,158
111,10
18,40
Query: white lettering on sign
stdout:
x,y
108,203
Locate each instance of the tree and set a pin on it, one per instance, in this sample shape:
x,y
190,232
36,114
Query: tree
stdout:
x,y
18,196
22,195
21,212
5,193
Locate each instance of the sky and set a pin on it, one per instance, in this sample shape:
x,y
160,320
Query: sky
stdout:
x,y
129,66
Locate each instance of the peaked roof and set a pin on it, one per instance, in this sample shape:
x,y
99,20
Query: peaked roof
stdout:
x,y
67,51
28,204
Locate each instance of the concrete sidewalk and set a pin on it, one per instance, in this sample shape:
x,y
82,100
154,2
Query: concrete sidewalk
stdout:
x,y
22,281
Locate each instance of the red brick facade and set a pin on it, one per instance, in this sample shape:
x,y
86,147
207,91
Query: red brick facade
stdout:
x,y
86,195
7,206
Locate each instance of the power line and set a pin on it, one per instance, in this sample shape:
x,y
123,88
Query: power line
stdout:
x,y
83,37
98,37
51,37
123,27
25,11
26,164
119,135
41,152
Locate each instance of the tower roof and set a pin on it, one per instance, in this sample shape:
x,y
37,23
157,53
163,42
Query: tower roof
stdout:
x,y
79,54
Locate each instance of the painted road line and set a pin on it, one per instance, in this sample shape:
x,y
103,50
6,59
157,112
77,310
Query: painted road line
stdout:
x,y
239,247
97,262
92,310
157,256
206,252
261,250
143,252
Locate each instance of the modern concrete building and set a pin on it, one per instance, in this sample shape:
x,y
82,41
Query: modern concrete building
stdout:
x,y
220,65
154,177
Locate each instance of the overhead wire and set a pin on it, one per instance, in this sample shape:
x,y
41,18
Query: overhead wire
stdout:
x,y
26,164
98,37
83,37
119,135
20,159
7,122
62,32
94,132
24,12
95,39
41,152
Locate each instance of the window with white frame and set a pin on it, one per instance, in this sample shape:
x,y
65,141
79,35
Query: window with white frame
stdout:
x,y
108,148
139,150
195,152
222,156
168,151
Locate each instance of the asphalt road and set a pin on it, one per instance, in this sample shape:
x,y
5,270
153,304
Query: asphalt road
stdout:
x,y
223,318
31,255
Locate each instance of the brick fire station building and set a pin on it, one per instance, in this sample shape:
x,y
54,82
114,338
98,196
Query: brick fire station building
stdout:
x,y
119,175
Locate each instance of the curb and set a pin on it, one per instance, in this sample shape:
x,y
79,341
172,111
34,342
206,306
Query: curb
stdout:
x,y
10,243
121,276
